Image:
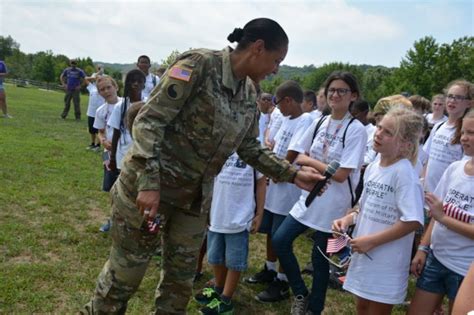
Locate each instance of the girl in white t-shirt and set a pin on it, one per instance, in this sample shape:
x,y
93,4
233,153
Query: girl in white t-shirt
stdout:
x,y
391,209
122,138
339,137
447,248
108,90
437,110
443,146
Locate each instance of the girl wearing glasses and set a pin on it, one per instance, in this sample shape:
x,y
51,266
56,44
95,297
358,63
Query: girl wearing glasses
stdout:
x,y
443,146
391,209
338,137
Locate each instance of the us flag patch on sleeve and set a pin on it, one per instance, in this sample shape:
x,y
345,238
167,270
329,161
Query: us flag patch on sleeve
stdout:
x,y
180,74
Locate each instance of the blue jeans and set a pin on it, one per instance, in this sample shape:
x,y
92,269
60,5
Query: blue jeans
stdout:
x,y
282,242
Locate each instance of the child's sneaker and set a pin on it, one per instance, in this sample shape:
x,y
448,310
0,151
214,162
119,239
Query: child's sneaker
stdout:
x,y
206,296
263,276
276,291
105,227
218,307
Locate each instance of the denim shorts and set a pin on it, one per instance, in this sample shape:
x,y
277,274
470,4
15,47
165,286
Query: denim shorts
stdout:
x,y
230,250
436,278
270,222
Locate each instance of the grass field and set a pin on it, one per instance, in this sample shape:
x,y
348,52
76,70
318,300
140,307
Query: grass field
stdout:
x,y
51,207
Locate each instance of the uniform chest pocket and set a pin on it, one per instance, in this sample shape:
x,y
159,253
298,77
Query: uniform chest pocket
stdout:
x,y
199,118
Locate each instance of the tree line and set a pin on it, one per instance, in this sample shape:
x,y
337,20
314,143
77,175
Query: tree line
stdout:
x,y
425,69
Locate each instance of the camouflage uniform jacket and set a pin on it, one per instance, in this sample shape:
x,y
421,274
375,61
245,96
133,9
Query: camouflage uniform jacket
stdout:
x,y
195,118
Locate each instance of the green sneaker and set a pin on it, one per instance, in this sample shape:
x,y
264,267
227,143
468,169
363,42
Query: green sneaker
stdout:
x,y
218,307
206,295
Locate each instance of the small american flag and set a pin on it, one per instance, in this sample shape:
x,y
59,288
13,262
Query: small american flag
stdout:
x,y
180,73
336,244
456,213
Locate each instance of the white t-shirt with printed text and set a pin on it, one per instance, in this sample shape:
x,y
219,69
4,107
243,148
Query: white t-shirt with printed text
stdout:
x,y
453,250
102,116
149,86
125,141
390,194
441,153
281,197
276,119
335,201
95,100
233,201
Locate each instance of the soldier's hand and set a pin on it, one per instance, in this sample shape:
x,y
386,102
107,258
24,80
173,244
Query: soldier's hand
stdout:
x,y
148,200
307,177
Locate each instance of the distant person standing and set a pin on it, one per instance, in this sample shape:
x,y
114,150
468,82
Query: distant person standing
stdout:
x,y
95,100
71,79
3,97
144,64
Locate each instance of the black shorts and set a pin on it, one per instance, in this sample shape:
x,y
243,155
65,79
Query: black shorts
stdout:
x,y
90,123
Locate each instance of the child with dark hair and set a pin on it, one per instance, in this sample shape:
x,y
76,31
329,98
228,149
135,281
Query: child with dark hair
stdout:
x,y
151,80
236,211
338,137
122,140
281,196
309,104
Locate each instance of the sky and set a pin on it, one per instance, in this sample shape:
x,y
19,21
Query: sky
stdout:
x,y
374,32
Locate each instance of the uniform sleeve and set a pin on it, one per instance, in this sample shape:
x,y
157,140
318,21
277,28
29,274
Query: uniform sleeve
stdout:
x,y
264,160
164,104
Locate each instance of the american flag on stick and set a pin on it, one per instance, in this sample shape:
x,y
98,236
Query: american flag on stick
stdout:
x,y
456,213
336,244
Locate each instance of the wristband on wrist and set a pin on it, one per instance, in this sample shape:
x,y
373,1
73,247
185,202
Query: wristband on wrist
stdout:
x,y
424,248
293,177
354,215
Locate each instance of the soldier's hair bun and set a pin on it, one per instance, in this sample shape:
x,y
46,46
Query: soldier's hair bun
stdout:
x,y
236,35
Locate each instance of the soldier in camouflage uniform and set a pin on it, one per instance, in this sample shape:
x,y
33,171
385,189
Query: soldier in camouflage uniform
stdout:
x,y
202,110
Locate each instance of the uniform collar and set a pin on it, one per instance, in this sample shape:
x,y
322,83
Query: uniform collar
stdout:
x,y
228,78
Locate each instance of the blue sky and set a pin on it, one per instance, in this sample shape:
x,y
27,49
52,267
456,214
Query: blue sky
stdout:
x,y
359,32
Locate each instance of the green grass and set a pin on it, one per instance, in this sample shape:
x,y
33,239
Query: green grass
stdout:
x,y
51,206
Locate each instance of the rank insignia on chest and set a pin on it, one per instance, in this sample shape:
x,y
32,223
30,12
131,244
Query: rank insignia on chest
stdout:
x,y
179,73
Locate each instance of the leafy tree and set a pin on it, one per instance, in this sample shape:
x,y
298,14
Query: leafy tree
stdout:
x,y
7,46
373,83
170,59
43,67
317,78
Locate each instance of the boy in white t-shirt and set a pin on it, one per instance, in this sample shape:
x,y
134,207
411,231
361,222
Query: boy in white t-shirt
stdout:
x,y
144,64
309,105
266,107
281,196
95,100
236,210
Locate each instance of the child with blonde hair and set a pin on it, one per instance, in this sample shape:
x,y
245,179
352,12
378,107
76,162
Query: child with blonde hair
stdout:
x,y
447,248
391,209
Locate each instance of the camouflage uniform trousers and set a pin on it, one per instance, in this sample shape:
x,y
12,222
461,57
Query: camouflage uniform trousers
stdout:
x,y
132,249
